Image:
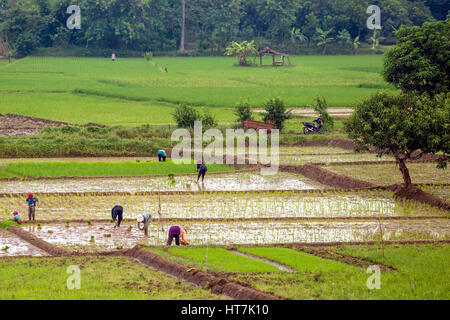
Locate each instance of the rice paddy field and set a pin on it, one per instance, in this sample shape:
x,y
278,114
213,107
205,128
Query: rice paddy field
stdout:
x,y
285,236
132,91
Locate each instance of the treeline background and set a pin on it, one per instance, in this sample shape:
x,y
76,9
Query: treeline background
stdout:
x,y
136,26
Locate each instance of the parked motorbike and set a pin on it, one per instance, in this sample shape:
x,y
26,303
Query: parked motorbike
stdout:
x,y
313,127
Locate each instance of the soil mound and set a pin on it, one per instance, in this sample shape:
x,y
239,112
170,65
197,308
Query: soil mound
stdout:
x,y
412,192
326,177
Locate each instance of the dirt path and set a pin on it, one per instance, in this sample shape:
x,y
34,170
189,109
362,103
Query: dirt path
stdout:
x,y
338,112
280,266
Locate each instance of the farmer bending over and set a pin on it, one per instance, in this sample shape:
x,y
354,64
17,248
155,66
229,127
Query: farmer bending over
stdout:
x,y
117,214
162,155
201,167
16,217
31,201
145,219
175,232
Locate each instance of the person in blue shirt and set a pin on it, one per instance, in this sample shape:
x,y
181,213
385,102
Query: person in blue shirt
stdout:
x,y
201,167
31,201
162,155
16,217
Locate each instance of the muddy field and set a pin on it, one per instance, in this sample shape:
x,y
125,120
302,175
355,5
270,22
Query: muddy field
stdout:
x,y
16,125
222,205
102,236
13,246
250,181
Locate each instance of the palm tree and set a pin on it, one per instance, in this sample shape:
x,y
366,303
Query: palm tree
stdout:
x,y
323,39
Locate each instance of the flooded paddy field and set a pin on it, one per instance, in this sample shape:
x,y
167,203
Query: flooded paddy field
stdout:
x,y
101,236
232,205
240,181
13,246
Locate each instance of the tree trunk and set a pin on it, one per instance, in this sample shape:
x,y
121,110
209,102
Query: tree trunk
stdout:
x,y
183,22
404,170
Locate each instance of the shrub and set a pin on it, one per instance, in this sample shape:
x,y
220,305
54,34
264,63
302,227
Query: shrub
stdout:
x,y
209,121
243,111
276,113
185,116
321,108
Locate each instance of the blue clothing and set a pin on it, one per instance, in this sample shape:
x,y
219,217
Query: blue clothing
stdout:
x,y
162,153
31,202
16,217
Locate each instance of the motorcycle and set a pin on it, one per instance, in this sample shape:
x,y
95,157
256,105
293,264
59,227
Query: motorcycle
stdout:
x,y
313,127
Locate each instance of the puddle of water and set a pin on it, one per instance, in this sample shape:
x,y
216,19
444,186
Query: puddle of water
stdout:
x,y
225,206
78,236
221,182
17,246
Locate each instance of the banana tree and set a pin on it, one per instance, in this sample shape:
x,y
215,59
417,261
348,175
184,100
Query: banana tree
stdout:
x,y
323,39
242,51
297,35
375,38
356,45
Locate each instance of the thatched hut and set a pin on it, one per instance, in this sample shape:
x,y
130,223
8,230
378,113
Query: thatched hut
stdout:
x,y
267,51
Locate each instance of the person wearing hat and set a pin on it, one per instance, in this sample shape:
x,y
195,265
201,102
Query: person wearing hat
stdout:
x,y
117,214
201,167
162,155
16,217
31,201
144,219
176,232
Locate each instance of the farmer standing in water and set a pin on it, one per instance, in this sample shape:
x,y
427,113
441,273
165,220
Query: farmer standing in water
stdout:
x,y
201,167
176,232
31,201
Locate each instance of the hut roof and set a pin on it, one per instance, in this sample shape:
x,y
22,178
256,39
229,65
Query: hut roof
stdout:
x,y
269,50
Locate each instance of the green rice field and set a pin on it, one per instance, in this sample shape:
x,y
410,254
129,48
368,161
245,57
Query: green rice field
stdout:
x,y
132,91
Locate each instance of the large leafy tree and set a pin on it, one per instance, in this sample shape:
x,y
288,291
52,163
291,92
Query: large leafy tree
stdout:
x,y
419,61
405,125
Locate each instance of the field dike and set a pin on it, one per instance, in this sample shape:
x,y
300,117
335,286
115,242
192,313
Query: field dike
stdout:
x,y
216,284
414,193
37,242
316,173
